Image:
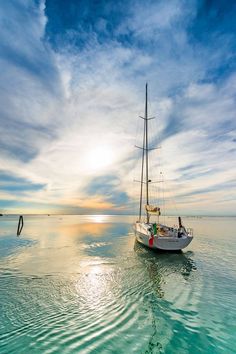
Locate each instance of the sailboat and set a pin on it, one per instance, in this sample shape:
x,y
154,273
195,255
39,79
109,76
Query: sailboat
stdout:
x,y
154,234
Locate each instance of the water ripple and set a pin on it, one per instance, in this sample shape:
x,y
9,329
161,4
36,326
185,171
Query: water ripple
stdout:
x,y
105,294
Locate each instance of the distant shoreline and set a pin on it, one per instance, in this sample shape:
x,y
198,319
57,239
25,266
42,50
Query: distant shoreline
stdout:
x,y
133,215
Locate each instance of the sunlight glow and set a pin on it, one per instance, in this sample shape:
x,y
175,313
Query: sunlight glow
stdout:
x,y
99,218
100,157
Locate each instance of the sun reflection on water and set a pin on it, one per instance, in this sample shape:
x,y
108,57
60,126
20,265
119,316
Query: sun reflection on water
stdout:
x,y
99,218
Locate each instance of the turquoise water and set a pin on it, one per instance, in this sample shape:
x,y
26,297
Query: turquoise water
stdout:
x,y
80,284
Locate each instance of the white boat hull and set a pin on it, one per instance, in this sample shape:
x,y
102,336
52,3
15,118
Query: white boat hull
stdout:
x,y
164,243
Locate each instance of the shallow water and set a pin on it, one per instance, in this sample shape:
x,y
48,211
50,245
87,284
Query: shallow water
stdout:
x,y
80,284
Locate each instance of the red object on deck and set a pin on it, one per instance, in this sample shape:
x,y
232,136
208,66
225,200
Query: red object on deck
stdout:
x,y
151,240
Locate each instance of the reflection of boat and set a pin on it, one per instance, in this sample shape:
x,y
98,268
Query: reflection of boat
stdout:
x,y
154,234
161,267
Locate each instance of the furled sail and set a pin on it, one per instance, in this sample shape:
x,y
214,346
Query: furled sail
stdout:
x,y
152,209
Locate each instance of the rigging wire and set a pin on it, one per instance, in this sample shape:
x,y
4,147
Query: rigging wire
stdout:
x,y
159,188
137,163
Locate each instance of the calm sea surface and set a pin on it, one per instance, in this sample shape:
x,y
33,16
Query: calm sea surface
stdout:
x,y
80,284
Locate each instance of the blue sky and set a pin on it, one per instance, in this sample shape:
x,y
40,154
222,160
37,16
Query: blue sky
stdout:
x,y
72,87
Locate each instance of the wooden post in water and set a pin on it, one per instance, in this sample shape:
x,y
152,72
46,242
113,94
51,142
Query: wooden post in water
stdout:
x,y
20,225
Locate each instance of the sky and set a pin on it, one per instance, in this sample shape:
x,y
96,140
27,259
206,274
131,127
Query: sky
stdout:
x,y
73,77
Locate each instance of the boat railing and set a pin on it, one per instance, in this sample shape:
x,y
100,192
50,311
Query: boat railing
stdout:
x,y
190,231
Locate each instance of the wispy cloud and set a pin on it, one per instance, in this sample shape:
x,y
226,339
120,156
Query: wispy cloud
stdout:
x,y
72,87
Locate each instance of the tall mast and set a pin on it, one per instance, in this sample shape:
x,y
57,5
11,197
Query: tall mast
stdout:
x,y
146,148
141,191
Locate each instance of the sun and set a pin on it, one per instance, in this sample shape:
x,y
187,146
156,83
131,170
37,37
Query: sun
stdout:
x,y
100,157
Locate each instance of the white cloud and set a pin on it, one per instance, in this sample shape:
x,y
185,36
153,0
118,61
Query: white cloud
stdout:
x,y
92,97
